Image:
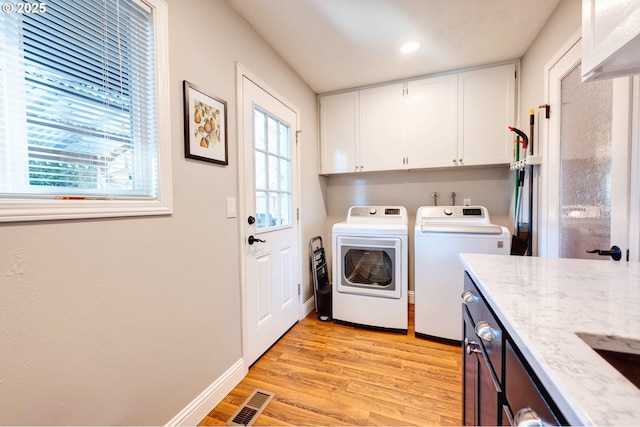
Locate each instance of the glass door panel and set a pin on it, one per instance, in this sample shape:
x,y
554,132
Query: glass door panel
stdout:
x,y
585,165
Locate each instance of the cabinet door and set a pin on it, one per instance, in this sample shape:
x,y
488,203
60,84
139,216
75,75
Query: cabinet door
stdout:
x,y
610,38
486,108
432,122
488,396
339,128
381,128
522,393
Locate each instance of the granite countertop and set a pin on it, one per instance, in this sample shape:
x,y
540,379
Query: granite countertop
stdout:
x,y
543,303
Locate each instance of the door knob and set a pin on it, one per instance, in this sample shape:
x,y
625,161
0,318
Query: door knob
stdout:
x,y
252,240
486,332
527,417
469,297
471,346
615,253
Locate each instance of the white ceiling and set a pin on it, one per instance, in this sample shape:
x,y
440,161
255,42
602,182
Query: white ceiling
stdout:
x,y
340,44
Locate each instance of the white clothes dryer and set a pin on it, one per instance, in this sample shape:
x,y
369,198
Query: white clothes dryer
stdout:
x,y
441,234
370,268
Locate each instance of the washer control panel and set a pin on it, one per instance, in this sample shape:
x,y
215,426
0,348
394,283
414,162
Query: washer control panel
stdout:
x,y
446,216
477,212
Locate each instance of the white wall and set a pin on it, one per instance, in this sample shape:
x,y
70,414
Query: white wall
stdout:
x,y
126,321
565,21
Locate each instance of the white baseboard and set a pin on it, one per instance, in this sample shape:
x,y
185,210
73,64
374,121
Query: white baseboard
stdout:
x,y
308,306
412,297
195,411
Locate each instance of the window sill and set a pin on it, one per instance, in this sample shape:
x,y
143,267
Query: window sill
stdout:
x,y
39,210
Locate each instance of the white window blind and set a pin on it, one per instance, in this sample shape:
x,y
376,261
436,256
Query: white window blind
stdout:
x,y
87,122
78,109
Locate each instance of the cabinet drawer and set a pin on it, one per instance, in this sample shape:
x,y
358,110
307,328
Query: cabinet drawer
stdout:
x,y
522,393
487,327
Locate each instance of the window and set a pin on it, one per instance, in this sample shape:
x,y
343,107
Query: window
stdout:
x,y
84,122
272,170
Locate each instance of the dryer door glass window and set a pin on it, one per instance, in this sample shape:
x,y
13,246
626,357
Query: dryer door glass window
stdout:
x,y
369,267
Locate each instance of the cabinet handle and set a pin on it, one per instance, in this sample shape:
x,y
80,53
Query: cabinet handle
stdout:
x,y
471,346
527,417
459,160
484,331
454,161
469,297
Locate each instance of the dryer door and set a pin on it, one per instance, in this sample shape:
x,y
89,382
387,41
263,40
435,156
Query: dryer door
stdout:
x,y
370,266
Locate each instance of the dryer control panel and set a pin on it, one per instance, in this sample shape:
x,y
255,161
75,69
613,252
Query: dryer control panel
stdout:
x,y
377,213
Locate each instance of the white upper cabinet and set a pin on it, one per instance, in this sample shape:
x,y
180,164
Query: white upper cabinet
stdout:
x,y
339,132
486,109
458,119
362,130
432,122
381,128
610,38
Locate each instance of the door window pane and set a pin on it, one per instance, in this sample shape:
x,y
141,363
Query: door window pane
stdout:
x,y
261,171
272,127
273,171
285,208
274,219
284,141
261,210
259,123
585,165
285,170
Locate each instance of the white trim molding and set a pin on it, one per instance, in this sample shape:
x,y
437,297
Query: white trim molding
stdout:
x,y
199,407
308,306
634,197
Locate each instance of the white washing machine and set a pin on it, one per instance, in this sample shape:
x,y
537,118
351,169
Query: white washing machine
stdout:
x,y
441,234
370,268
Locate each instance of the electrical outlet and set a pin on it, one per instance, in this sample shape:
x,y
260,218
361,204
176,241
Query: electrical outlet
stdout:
x,y
467,202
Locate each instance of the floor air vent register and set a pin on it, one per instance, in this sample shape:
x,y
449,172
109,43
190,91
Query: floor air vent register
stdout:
x,y
251,408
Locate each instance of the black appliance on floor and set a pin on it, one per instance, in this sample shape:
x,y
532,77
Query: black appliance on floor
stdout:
x,y
320,274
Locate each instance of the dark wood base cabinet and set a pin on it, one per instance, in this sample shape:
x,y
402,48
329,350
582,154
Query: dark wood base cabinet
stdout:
x,y
481,392
499,386
524,394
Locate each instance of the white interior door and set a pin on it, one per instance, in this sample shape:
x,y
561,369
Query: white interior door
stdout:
x,y
586,167
272,254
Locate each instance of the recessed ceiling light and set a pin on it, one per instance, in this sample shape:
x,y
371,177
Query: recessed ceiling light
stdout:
x,y
410,47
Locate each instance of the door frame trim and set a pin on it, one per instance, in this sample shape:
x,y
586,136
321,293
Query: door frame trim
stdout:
x,y
634,196
241,73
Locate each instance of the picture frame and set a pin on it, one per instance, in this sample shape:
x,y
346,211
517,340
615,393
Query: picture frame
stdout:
x,y
205,126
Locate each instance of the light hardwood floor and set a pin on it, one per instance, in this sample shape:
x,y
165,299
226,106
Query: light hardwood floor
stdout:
x,y
325,373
